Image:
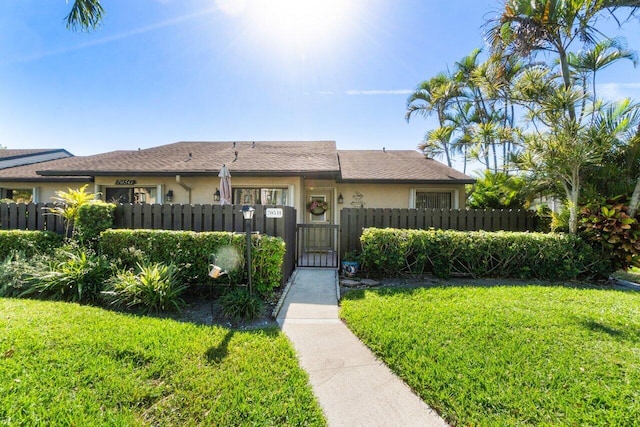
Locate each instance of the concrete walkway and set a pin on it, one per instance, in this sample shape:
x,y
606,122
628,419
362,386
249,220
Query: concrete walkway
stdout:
x,y
352,386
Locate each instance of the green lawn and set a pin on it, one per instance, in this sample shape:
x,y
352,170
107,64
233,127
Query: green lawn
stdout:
x,y
66,364
528,355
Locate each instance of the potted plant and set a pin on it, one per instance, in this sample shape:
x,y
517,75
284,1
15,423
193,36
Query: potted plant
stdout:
x,y
350,263
317,207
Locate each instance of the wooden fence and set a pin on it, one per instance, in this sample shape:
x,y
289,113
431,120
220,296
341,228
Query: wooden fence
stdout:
x,y
353,220
31,216
229,218
168,217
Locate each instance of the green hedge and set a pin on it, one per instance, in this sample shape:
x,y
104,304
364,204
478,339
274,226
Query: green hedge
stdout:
x,y
93,219
28,242
191,251
395,252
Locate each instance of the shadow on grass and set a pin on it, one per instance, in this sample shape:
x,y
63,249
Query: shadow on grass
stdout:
x,y
217,354
600,327
630,335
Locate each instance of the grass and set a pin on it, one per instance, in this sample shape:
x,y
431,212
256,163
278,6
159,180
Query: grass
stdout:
x,y
528,355
66,364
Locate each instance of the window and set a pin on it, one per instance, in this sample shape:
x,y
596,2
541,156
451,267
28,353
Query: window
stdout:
x,y
132,195
260,196
18,195
433,200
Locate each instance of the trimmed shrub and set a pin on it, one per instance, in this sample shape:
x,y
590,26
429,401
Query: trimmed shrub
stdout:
x,y
154,286
91,220
239,305
29,243
191,252
396,252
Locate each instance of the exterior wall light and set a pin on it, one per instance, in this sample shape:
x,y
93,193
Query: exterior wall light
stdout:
x,y
216,195
169,196
340,199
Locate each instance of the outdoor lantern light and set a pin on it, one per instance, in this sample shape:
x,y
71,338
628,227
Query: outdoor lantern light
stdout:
x,y
216,195
169,196
340,199
247,214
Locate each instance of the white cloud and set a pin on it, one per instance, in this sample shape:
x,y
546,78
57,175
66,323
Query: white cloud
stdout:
x,y
616,91
379,92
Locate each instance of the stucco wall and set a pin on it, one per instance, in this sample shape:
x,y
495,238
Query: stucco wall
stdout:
x,y
387,195
203,188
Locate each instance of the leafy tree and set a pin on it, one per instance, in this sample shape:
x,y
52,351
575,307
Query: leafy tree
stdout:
x,y
498,190
571,129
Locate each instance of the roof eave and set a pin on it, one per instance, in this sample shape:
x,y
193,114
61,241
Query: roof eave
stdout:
x,y
307,173
406,181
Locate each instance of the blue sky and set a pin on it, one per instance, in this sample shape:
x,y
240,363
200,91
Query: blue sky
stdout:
x,y
161,71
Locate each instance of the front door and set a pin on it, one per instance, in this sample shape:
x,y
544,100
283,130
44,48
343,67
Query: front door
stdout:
x,y
317,237
319,211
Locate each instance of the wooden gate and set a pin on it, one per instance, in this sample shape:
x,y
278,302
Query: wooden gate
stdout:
x,y
317,245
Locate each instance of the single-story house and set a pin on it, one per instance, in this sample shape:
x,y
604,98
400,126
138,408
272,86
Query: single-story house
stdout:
x,y
291,173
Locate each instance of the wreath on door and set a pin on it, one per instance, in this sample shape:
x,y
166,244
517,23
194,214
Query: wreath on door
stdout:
x,y
317,207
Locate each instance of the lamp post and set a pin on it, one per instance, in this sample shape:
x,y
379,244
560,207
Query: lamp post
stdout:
x,y
247,214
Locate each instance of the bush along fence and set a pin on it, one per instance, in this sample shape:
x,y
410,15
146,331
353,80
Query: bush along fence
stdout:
x,y
354,220
446,253
36,216
191,252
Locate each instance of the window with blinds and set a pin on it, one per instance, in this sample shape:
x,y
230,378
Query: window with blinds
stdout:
x,y
433,200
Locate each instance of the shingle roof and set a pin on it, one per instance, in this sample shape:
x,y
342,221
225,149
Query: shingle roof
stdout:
x,y
394,166
28,173
309,158
252,158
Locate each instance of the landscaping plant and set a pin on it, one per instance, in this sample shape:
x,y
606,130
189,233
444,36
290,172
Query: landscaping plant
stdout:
x,y
16,271
238,305
192,251
153,287
28,242
68,203
607,224
91,220
395,252
72,274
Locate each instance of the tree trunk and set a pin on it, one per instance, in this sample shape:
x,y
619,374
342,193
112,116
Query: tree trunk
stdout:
x,y
573,203
635,199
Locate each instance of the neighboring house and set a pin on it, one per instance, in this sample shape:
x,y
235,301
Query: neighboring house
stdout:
x,y
262,172
13,166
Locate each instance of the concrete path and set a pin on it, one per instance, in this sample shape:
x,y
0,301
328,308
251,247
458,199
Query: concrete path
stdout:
x,y
352,386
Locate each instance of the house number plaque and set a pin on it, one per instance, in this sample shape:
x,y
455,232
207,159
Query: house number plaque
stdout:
x,y
125,181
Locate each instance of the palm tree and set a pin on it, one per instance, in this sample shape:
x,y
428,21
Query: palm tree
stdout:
x,y
434,95
600,56
85,15
526,27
